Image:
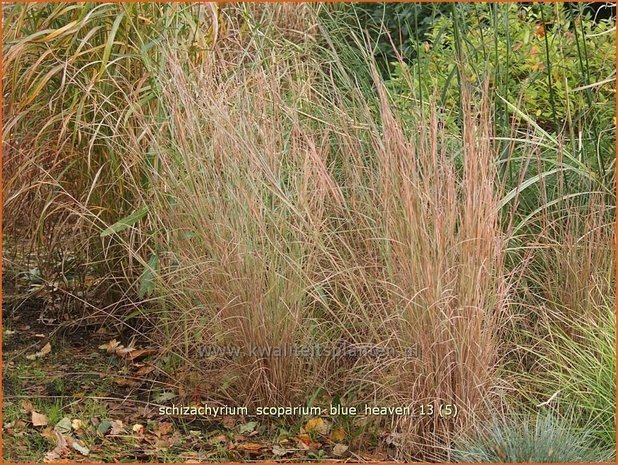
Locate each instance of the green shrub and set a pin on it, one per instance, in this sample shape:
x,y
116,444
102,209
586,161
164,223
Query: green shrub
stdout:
x,y
556,68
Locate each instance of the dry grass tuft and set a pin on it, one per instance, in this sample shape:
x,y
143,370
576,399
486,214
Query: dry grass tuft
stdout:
x,y
286,228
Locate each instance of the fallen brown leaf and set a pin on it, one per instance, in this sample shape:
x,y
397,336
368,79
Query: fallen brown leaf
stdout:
x,y
339,449
280,451
229,422
125,381
141,353
115,347
110,346
164,429
338,434
75,444
60,450
168,441
20,424
218,439
144,370
117,427
41,353
304,442
317,425
38,419
26,405
304,438
250,447
138,429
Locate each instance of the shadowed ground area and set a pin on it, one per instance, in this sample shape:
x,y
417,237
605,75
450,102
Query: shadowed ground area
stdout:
x,y
62,377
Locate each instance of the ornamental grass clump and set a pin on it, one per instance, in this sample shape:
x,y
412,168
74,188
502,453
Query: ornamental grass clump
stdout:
x,y
544,439
287,218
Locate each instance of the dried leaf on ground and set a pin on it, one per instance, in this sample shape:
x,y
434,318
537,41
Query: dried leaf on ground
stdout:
x,y
38,419
48,433
164,429
75,444
63,426
304,442
339,450
20,425
41,353
26,405
168,441
110,346
117,428
60,450
303,439
121,381
338,434
280,451
229,422
138,428
144,370
115,347
141,353
250,447
317,425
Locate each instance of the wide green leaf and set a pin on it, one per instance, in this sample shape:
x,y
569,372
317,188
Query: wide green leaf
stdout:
x,y
125,222
147,278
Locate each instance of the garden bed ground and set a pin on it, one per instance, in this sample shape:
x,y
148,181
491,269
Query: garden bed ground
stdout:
x,y
108,404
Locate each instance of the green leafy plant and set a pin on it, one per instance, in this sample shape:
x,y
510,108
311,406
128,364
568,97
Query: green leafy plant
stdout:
x,y
556,68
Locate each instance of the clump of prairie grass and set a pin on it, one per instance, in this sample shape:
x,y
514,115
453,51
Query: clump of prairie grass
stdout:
x,y
240,192
286,219
442,251
81,108
567,327
573,253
